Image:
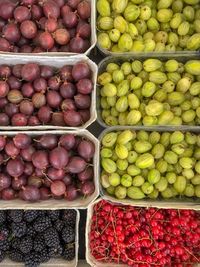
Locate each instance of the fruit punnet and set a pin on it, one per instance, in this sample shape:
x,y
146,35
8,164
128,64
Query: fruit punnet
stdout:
x,y
45,26
138,165
34,237
47,166
150,92
141,237
148,26
34,94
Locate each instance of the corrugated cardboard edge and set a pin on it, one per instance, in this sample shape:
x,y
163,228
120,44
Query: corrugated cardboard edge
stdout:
x,y
93,40
56,262
181,57
89,258
160,203
80,203
55,62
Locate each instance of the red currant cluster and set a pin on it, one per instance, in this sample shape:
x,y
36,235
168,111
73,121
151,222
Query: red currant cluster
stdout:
x,y
141,237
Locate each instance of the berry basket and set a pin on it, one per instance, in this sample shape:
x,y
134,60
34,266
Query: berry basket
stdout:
x,y
106,251
120,59
53,203
57,261
55,52
136,27
56,62
178,201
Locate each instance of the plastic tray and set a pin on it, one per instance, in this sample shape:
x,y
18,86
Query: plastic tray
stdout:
x,y
127,57
57,62
54,262
53,204
159,203
93,39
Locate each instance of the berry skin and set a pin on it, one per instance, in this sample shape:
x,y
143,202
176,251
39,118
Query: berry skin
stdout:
x,y
38,243
2,216
4,238
26,244
69,253
44,254
2,255
30,215
55,251
15,215
15,255
42,223
32,259
15,242
18,229
69,217
31,230
59,224
53,214
51,238
68,234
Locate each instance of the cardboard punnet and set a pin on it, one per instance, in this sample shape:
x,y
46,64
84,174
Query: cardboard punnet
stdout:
x,y
89,258
53,204
54,262
56,62
93,39
177,203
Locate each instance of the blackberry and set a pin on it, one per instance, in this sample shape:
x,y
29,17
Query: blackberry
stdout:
x,y
15,255
59,224
42,223
69,217
15,242
38,243
15,215
44,254
68,234
2,255
5,245
4,238
55,251
32,259
30,215
69,253
31,230
51,237
2,216
53,214
4,232
26,244
19,229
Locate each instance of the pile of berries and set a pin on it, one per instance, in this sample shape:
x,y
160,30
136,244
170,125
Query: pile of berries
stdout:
x,y
141,237
34,237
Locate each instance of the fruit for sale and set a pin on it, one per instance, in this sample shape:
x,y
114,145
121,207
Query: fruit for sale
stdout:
x,y
114,226
39,168
146,26
146,164
28,102
153,92
33,249
50,26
